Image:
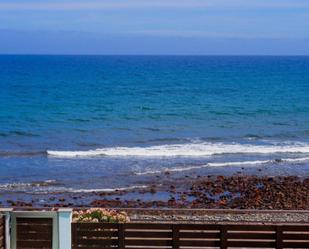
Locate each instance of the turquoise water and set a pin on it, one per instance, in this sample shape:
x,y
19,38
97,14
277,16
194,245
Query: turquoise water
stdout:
x,y
95,122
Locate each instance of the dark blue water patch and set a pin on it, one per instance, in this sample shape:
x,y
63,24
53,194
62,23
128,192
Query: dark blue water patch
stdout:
x,y
22,134
22,153
192,96
78,120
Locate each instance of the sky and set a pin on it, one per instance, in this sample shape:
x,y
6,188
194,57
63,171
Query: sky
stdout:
x,y
198,27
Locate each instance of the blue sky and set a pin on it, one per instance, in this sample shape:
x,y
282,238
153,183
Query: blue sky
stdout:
x,y
154,27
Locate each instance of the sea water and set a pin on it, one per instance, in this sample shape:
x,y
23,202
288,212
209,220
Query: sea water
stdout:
x,y
83,123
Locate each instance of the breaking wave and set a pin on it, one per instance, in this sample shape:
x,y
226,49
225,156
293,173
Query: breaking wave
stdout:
x,y
186,150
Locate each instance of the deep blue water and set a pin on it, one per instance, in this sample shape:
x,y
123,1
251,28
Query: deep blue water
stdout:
x,y
100,121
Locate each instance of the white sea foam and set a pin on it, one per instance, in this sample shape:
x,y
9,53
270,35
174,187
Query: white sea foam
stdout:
x,y
296,160
24,185
32,187
47,186
106,189
186,150
10,186
73,190
151,172
224,164
288,160
258,162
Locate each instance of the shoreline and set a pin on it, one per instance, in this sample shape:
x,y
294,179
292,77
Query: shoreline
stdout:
x,y
205,192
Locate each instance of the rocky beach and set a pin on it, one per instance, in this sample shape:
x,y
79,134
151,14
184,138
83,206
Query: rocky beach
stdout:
x,y
198,192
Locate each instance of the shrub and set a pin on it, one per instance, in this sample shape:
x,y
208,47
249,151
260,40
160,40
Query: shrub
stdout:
x,y
96,215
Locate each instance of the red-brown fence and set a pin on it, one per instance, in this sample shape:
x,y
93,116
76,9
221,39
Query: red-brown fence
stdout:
x,y
34,233
2,232
176,236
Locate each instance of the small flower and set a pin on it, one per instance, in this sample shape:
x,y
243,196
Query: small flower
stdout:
x,y
100,215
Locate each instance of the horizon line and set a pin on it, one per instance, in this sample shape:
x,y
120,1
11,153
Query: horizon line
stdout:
x,y
90,54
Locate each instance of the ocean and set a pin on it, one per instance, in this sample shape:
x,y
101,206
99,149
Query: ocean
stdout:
x,y
84,123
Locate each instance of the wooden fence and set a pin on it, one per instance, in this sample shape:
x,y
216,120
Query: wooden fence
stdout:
x,y
2,232
176,236
34,233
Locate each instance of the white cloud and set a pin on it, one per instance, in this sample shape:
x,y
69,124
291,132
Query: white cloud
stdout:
x,y
133,4
93,5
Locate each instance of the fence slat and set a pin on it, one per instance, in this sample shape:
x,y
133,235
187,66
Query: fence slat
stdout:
x,y
213,227
252,236
199,235
295,236
121,237
148,234
150,226
34,236
98,234
248,227
279,240
175,236
31,228
252,244
303,245
35,221
2,232
223,237
295,228
145,242
105,241
33,244
74,235
199,243
93,226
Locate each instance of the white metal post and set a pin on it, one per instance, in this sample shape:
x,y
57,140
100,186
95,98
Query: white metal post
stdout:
x,y
64,228
7,215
